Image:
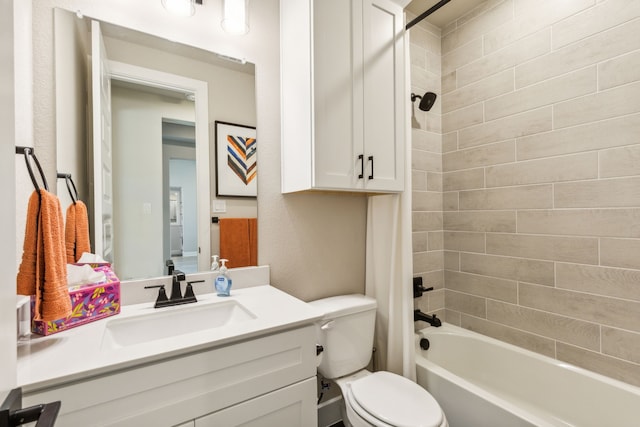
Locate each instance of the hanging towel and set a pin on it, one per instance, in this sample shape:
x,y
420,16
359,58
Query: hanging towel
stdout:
x,y
43,270
253,241
26,279
239,241
76,231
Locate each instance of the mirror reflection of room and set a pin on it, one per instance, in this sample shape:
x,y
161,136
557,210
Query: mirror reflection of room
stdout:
x,y
146,163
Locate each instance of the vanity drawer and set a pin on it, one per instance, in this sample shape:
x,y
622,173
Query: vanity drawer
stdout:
x,y
171,391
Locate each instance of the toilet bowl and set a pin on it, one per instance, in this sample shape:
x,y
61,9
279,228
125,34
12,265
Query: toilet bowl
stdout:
x,y
381,399
384,399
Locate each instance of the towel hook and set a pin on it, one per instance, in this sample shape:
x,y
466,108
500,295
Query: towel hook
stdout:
x,y
28,152
69,181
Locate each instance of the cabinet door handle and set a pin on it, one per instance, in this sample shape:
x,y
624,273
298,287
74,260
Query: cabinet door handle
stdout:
x,y
361,158
371,160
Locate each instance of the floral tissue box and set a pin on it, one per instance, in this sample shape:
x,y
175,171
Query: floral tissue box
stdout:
x,y
89,302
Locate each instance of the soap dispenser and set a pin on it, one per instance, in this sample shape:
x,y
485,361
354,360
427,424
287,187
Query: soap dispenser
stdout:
x,y
223,281
214,263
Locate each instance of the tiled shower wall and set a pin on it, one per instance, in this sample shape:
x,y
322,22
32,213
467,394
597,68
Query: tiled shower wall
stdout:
x,y
541,179
426,168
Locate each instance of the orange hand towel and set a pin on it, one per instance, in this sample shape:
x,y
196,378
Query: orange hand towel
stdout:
x,y
236,241
47,276
76,231
253,241
26,279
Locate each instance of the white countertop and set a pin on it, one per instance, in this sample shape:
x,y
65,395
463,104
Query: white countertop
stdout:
x,y
81,352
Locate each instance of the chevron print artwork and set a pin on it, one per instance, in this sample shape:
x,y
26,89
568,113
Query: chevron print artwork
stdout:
x,y
241,157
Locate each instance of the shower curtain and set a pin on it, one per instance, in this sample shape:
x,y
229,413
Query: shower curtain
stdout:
x,y
389,263
388,280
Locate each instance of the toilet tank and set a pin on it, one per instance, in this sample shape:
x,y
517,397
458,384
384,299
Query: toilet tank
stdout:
x,y
346,333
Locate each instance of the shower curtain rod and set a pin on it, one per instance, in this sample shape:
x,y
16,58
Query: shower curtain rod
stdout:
x,y
427,13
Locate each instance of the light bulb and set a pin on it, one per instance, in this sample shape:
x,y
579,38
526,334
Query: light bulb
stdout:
x,y
180,7
234,16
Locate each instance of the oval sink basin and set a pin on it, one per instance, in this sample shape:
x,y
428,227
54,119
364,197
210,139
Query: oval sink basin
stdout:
x,y
169,322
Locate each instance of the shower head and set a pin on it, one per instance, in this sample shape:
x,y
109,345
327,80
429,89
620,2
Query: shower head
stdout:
x,y
426,101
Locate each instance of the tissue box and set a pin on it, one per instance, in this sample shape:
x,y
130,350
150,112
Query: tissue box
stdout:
x,y
89,303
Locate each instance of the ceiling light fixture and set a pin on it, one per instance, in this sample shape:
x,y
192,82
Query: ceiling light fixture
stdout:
x,y
235,16
180,7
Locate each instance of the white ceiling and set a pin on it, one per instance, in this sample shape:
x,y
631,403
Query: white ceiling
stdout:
x,y
447,13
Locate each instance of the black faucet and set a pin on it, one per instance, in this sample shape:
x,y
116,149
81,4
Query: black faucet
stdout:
x,y
176,293
170,266
430,319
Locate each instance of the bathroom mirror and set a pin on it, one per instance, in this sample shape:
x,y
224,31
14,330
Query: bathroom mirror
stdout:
x,y
159,101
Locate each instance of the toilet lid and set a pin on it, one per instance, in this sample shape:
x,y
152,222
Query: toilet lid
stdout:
x,y
396,400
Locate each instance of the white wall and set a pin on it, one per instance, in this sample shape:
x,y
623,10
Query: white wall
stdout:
x,y
138,193
71,130
8,160
314,243
183,175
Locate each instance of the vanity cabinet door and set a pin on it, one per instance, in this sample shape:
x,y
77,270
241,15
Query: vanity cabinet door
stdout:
x,y
292,406
343,115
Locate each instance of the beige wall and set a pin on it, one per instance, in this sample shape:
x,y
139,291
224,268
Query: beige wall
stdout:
x,y
541,178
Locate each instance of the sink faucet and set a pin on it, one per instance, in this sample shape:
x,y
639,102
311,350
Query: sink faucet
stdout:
x,y
430,319
176,293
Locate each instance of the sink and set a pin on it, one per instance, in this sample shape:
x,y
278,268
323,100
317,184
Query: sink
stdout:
x,y
173,321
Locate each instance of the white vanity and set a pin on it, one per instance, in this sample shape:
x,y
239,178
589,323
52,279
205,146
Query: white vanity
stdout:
x,y
247,359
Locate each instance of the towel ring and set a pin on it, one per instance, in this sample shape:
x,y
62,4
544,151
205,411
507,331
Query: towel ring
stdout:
x,y
69,181
28,152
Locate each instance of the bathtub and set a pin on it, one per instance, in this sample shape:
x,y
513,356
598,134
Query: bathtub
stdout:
x,y
483,382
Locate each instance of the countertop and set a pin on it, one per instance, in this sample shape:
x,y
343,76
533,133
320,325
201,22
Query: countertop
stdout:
x,y
81,352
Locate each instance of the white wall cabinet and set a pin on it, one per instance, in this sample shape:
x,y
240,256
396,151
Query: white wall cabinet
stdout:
x,y
343,90
270,379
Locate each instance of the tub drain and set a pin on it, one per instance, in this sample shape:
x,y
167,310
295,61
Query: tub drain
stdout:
x,y
424,344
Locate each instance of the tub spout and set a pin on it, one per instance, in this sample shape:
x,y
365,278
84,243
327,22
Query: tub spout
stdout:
x,y
430,319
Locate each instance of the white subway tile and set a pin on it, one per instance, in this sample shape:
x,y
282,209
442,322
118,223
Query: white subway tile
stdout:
x,y
619,71
593,20
566,168
603,105
520,51
589,136
527,123
548,92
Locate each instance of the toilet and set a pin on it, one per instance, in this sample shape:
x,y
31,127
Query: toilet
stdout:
x,y
382,398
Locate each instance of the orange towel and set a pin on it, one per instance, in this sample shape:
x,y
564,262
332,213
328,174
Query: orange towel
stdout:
x,y
76,231
43,270
239,241
253,241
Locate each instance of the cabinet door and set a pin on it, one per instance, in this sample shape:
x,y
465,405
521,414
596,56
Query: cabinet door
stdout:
x,y
292,406
384,91
337,94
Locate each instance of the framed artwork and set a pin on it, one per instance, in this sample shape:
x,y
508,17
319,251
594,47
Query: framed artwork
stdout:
x,y
236,162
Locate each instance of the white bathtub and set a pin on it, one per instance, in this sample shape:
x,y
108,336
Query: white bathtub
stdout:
x,y
483,382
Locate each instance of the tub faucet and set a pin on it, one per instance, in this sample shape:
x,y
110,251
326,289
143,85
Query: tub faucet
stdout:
x,y
430,319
